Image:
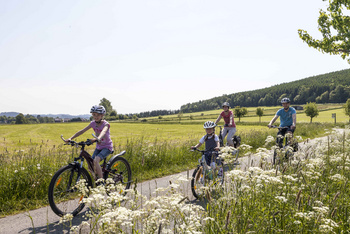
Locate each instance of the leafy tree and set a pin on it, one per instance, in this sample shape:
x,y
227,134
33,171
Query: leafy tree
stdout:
x,y
323,98
20,119
334,27
78,119
113,113
347,108
259,112
180,115
240,112
107,105
134,117
311,110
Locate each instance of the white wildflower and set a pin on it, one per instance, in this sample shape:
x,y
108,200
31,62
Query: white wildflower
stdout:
x,y
282,199
337,177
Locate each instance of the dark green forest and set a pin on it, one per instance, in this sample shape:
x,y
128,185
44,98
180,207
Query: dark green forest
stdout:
x,y
332,87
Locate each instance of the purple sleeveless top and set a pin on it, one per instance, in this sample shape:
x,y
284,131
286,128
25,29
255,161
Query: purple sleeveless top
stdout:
x,y
106,141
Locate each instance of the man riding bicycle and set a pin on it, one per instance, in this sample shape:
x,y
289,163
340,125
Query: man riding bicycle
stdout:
x,y
288,119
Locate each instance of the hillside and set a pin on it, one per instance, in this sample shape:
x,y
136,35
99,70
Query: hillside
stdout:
x,y
332,87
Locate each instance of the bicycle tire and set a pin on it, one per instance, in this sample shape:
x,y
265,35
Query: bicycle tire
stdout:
x,y
274,156
62,196
201,180
119,170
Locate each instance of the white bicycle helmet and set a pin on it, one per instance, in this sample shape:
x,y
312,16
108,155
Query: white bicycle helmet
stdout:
x,y
98,109
209,124
285,100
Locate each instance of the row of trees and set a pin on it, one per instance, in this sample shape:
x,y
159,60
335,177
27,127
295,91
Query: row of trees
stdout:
x,y
328,88
26,119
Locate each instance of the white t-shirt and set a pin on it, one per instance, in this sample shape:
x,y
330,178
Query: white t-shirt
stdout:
x,y
203,138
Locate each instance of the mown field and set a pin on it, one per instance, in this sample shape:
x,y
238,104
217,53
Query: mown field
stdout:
x,y
31,154
325,115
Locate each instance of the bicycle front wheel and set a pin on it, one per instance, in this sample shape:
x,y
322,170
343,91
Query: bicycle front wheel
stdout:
x,y
119,171
64,197
209,181
198,182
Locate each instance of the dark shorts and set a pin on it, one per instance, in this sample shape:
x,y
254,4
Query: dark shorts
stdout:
x,y
103,153
285,130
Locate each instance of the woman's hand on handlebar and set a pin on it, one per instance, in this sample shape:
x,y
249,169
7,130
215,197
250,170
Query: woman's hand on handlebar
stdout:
x,y
217,148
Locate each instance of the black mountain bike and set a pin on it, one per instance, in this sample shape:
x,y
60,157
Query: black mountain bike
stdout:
x,y
206,176
286,151
62,188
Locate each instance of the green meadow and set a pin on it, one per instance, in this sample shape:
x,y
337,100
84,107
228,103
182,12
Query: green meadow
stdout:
x,y
31,154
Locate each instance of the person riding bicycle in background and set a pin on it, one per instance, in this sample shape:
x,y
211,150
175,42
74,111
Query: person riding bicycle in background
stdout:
x,y
104,146
230,126
211,141
288,119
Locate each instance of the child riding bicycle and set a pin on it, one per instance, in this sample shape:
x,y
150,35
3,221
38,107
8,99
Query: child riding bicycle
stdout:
x,y
288,119
104,145
212,143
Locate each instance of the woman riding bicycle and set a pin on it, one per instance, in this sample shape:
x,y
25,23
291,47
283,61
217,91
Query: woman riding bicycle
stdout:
x,y
288,119
104,146
230,126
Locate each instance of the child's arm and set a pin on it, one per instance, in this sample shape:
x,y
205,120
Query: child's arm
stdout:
x,y
102,134
79,133
217,145
196,146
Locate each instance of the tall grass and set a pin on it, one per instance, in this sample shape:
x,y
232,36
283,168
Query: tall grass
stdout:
x,y
309,194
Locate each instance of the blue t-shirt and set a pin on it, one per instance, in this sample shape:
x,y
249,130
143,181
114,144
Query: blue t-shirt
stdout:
x,y
286,117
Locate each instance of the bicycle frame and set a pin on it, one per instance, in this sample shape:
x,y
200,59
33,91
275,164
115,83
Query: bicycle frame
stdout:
x,y
84,155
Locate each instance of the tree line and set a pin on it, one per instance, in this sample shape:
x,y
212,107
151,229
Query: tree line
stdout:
x,y
26,119
327,88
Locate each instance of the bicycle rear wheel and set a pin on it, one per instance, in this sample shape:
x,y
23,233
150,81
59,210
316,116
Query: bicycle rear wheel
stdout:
x,y
64,198
119,171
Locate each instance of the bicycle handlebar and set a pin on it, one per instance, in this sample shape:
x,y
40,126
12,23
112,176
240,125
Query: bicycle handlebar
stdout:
x,y
203,151
82,143
274,126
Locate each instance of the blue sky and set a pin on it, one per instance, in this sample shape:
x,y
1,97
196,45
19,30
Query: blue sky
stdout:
x,y
64,56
